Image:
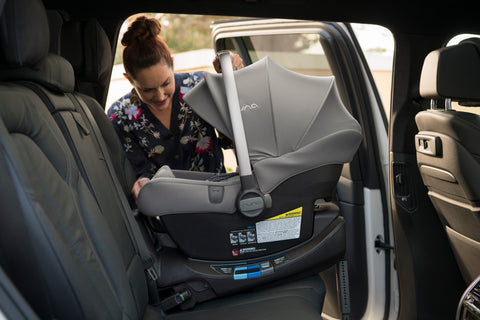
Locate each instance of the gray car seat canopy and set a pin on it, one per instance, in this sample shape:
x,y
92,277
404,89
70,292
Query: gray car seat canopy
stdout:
x,y
287,117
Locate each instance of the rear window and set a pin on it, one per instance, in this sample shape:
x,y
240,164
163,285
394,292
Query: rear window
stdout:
x,y
299,52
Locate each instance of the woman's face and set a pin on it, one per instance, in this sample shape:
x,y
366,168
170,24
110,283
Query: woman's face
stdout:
x,y
155,86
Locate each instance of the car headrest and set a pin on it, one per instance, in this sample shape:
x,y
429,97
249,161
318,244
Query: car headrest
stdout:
x,y
2,2
71,44
86,45
56,19
98,53
453,72
53,72
24,45
24,39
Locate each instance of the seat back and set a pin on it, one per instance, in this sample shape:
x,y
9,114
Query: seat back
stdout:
x,y
448,152
87,47
91,66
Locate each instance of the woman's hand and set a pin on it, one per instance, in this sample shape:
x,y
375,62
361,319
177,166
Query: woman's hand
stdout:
x,y
137,186
237,62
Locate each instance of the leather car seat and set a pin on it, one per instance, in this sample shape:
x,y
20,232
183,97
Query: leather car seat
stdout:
x,y
448,152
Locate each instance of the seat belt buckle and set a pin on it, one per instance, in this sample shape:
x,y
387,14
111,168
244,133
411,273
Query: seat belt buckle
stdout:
x,y
152,273
175,300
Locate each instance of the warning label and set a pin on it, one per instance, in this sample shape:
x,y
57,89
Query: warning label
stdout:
x,y
285,226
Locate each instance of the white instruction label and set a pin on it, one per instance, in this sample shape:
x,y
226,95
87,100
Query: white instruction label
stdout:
x,y
285,226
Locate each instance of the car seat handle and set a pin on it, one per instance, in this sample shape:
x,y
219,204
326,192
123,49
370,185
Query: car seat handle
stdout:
x,y
251,202
239,137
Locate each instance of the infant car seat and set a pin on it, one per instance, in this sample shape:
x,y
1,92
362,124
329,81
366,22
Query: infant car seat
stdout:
x,y
292,135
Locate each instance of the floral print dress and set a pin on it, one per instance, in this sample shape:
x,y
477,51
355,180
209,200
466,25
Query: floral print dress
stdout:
x,y
189,144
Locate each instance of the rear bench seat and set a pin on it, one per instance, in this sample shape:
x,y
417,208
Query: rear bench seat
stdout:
x,y
87,47
66,242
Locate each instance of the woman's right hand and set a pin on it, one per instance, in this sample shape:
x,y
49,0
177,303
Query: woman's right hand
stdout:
x,y
137,186
237,62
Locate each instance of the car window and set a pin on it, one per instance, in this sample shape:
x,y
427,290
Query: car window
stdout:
x,y
300,52
377,44
188,37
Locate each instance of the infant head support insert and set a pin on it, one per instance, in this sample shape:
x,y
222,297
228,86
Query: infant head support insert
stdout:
x,y
297,135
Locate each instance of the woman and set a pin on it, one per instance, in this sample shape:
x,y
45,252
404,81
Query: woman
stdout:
x,y
155,125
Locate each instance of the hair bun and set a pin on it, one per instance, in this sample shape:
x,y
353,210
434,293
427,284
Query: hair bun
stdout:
x,y
141,29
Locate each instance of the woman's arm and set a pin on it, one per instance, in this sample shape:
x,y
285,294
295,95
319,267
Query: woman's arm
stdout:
x,y
142,166
144,169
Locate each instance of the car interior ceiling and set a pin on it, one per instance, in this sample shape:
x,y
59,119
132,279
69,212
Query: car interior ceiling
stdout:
x,y
69,214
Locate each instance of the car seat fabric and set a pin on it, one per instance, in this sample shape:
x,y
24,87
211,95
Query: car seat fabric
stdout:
x,y
282,129
201,187
87,267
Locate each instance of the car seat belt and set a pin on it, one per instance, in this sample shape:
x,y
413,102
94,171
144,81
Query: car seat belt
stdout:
x,y
251,201
133,229
132,224
129,217
63,127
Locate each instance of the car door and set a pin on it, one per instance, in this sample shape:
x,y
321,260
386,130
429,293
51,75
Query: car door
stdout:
x,y
323,49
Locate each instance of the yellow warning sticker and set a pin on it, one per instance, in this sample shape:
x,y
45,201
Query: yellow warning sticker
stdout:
x,y
290,214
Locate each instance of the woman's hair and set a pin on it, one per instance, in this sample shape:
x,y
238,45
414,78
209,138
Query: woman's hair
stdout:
x,y
143,46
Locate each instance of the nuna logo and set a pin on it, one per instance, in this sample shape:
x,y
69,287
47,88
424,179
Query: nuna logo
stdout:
x,y
249,107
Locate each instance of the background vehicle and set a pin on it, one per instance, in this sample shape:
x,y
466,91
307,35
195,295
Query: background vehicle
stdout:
x,y
380,193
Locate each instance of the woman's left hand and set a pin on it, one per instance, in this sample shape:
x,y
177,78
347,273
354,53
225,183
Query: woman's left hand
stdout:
x,y
237,62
